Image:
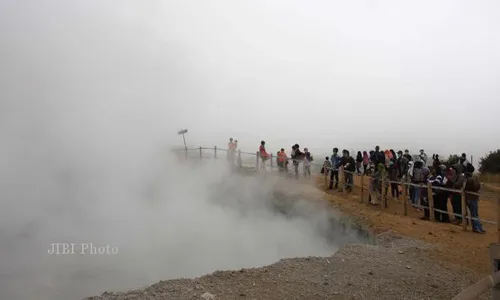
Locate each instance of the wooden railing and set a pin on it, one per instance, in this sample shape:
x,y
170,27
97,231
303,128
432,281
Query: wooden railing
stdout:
x,y
472,292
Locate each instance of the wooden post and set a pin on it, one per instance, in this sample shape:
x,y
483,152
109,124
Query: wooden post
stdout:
x,y
362,186
464,210
380,194
271,162
215,151
239,158
201,153
186,153
498,219
384,191
343,181
257,161
405,196
326,189
430,200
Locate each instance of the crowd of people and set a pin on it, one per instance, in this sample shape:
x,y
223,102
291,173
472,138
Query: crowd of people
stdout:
x,y
388,170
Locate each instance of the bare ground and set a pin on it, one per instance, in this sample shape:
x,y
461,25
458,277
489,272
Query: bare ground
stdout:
x,y
417,262
396,268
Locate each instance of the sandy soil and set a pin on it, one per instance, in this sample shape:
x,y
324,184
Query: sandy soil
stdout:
x,y
453,244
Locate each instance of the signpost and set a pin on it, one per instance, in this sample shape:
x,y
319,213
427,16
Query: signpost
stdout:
x,y
183,132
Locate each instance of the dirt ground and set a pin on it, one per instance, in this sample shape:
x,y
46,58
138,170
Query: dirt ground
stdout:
x,y
413,259
453,244
396,268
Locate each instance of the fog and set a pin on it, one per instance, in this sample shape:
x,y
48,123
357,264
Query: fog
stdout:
x,y
92,94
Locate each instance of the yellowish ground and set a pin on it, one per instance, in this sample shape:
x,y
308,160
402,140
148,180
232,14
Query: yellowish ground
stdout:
x,y
453,244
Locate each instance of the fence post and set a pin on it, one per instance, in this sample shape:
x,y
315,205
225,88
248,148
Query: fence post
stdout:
x,y
326,189
201,154
239,158
257,161
430,200
464,209
405,196
384,191
362,186
215,151
498,219
271,162
343,181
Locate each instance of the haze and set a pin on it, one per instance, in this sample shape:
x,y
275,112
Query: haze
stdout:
x,y
92,94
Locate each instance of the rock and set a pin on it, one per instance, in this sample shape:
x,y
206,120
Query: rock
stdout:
x,y
408,267
370,273
208,296
400,252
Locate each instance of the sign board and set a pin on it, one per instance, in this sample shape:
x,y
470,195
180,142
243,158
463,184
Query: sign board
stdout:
x,y
182,131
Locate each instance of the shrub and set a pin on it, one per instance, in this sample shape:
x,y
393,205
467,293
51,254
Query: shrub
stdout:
x,y
490,163
452,159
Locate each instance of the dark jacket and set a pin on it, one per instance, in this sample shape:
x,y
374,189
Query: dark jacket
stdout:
x,y
349,164
402,166
472,185
297,156
380,157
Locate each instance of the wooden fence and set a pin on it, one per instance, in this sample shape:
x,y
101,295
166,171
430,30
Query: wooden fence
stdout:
x,y
236,157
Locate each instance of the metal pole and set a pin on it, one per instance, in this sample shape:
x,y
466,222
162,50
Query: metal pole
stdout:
x,y
257,161
184,139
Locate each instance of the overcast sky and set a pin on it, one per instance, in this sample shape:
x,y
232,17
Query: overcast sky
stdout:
x,y
418,74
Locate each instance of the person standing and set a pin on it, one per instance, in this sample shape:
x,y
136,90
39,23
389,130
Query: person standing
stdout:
x,y
472,185
334,171
297,157
359,162
264,156
366,162
307,163
423,156
456,198
349,169
282,160
231,148
420,175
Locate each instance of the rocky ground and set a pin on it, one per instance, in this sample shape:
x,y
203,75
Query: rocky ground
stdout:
x,y
395,268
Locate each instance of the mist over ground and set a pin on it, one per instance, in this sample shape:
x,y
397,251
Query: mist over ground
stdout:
x,y
92,94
